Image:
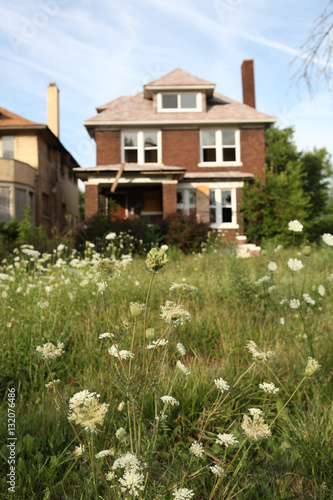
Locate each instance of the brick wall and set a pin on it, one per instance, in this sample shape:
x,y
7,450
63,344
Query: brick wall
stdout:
x,y
181,148
253,151
108,147
91,201
169,196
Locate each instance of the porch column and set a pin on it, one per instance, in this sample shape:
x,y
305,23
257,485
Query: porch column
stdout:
x,y
202,203
90,201
169,194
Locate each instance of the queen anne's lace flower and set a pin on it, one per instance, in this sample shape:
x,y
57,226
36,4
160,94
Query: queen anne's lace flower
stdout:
x,y
157,343
120,433
183,494
272,266
104,453
123,354
169,400
52,384
216,470
137,309
156,260
270,388
321,290
181,349
328,239
182,289
264,279
174,314
86,410
294,304
128,461
311,367
308,299
295,264
79,450
111,236
183,368
102,285
226,440
132,482
50,351
196,449
295,226
255,427
257,354
221,384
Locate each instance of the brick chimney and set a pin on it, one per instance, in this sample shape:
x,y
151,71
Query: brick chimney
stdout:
x,y
53,108
248,83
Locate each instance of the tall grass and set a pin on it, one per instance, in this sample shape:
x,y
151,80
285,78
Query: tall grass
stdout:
x,y
230,306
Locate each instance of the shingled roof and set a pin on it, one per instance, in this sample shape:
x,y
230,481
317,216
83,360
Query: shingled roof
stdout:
x,y
10,119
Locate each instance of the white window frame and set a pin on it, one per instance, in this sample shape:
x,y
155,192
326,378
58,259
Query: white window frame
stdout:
x,y
186,206
140,145
12,137
178,109
219,147
218,187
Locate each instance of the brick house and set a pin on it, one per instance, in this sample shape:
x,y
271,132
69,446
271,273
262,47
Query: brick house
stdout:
x,y
178,145
36,170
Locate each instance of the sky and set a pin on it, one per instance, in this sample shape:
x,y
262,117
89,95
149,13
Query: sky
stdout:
x,y
98,50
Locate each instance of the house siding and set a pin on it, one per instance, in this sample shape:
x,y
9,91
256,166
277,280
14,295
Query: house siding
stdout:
x,y
181,148
253,152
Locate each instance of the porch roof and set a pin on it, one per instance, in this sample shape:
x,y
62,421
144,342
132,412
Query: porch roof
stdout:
x,y
130,168
228,174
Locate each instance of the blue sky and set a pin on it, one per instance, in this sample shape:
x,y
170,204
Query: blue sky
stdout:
x,y
98,50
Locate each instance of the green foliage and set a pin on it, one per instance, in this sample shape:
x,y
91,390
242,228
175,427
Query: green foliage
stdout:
x,y
296,187
186,232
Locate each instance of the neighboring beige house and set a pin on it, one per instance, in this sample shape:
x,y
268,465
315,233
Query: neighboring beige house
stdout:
x,y
36,169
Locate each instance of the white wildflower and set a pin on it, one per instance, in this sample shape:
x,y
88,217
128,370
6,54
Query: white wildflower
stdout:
x,y
157,343
182,289
174,314
105,335
31,253
86,410
311,367
137,309
110,476
132,482
295,226
216,470
121,406
282,321
226,440
272,266
295,264
294,304
221,384
79,450
169,400
60,247
53,383
255,412
328,239
270,388
4,276
321,290
183,368
127,461
43,304
101,285
4,294
257,354
104,453
264,279
111,236
308,299
50,351
122,354
271,289
183,494
120,433
255,427
181,349
164,248
196,449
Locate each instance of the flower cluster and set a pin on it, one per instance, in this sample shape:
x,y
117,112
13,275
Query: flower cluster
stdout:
x,y
270,388
226,440
123,354
108,268
328,239
169,400
156,261
137,309
86,410
50,351
295,264
183,368
221,384
257,354
104,453
183,494
196,449
157,343
181,349
295,226
182,289
174,314
311,367
254,426
216,470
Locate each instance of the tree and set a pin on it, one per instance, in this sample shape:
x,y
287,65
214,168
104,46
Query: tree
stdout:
x,y
297,187
315,55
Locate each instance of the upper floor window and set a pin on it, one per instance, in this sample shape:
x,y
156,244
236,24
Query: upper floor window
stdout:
x,y
141,147
179,101
220,147
7,146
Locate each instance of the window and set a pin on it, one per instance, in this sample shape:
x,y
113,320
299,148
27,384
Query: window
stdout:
x,y
20,202
222,207
45,205
141,147
179,101
186,200
8,146
4,203
220,147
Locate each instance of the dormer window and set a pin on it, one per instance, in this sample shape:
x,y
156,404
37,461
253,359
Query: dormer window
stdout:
x,y
179,101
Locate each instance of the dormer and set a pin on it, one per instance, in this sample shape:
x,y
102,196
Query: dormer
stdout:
x,y
179,91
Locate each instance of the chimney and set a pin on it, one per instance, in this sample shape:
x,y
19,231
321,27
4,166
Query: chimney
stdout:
x,y
248,83
53,108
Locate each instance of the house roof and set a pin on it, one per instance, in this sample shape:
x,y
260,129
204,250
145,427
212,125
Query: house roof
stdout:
x,y
178,79
10,119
